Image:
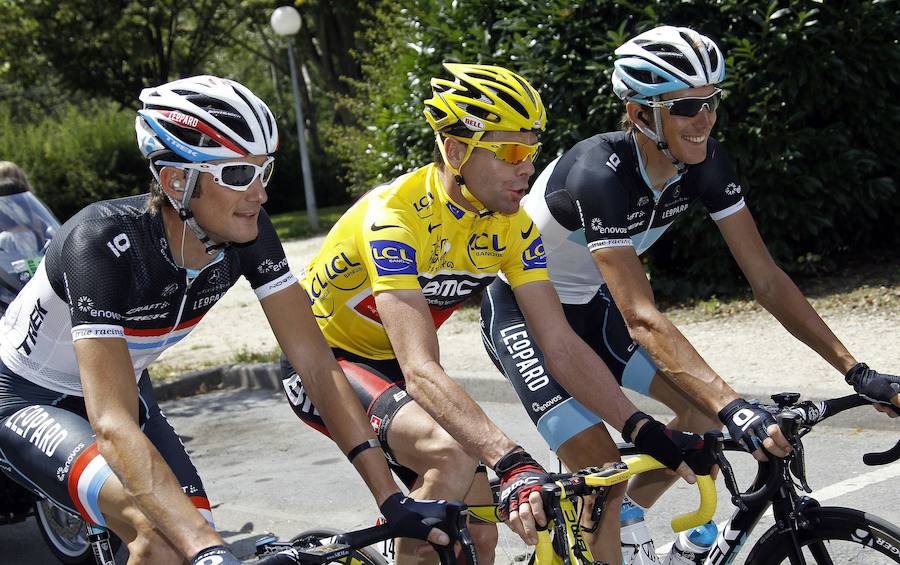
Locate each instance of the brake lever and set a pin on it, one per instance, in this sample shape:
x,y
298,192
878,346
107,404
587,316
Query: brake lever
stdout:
x,y
790,421
730,479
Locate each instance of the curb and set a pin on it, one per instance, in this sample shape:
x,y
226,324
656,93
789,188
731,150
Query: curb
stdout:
x,y
488,387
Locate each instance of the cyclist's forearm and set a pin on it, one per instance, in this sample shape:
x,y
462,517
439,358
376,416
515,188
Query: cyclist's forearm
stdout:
x,y
150,484
784,300
677,359
452,408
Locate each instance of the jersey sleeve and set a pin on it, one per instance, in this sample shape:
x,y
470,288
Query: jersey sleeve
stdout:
x,y
263,261
525,261
391,249
721,192
96,278
601,203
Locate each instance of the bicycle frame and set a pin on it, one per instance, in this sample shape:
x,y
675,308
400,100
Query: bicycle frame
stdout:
x,y
562,502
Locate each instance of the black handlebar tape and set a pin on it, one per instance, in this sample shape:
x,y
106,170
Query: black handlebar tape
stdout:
x,y
883,457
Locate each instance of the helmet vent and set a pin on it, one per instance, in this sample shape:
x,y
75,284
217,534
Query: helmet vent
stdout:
x,y
222,111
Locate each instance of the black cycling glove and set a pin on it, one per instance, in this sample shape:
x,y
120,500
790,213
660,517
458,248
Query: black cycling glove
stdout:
x,y
747,423
411,518
215,555
520,475
873,385
665,445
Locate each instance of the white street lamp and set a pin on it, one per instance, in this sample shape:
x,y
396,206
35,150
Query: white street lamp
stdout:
x,y
286,22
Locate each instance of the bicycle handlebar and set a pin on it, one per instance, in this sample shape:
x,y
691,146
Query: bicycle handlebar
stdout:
x,y
453,523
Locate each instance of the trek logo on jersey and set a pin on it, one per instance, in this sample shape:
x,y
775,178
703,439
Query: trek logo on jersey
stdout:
x,y
534,257
34,325
393,257
732,189
170,289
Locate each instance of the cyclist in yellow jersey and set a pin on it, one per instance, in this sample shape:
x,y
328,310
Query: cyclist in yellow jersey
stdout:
x,y
398,263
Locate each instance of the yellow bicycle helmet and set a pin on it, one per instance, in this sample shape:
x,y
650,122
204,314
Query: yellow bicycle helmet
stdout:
x,y
482,98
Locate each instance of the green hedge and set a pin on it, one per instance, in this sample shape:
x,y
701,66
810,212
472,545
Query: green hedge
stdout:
x,y
809,117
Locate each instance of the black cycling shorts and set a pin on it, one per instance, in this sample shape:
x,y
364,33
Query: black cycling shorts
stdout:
x,y
47,445
509,344
381,390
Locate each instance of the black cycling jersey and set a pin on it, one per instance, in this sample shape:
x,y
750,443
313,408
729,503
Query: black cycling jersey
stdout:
x,y
595,196
109,273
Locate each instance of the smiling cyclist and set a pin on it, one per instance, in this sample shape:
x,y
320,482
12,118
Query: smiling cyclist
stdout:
x,y
122,281
607,200
410,252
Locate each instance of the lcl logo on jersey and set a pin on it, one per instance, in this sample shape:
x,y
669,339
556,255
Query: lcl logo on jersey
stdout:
x,y
341,272
534,257
393,257
485,245
423,206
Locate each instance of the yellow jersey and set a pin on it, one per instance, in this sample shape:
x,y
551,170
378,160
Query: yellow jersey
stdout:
x,y
405,235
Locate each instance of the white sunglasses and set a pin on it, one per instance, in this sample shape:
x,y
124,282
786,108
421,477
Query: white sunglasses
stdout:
x,y
236,176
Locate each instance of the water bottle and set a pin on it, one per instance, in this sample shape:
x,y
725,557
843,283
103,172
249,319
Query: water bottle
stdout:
x,y
692,547
637,546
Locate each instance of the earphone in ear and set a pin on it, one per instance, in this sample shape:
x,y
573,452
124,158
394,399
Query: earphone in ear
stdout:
x,y
176,184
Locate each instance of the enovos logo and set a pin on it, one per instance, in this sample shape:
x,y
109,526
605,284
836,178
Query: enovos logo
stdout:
x,y
267,266
84,303
597,226
543,407
732,189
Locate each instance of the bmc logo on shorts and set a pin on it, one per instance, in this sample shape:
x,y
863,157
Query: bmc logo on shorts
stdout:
x,y
393,257
533,257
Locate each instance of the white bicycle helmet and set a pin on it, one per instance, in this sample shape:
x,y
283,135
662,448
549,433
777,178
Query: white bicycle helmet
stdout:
x,y
665,59
202,118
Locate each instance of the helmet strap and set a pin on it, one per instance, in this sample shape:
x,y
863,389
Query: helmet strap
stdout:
x,y
659,138
457,174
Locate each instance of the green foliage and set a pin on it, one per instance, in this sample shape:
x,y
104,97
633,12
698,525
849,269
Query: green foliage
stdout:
x,y
246,355
295,225
81,155
808,117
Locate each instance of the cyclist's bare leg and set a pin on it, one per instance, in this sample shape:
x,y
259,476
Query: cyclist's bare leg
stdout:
x,y
645,489
145,544
595,447
445,471
483,535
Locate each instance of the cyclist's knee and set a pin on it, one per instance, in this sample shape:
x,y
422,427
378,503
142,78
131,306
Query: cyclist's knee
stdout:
x,y
694,420
448,467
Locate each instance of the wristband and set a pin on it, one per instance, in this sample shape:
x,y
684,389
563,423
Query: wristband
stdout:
x,y
512,458
368,444
630,423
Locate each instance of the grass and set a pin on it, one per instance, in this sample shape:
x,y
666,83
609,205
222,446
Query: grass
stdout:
x,y
295,225
249,356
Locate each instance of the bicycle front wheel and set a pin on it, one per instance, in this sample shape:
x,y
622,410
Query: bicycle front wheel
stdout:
x,y
834,535
324,536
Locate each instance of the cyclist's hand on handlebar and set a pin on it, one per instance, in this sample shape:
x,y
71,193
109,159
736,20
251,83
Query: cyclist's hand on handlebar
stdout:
x,y
411,518
215,555
880,388
665,445
521,478
753,427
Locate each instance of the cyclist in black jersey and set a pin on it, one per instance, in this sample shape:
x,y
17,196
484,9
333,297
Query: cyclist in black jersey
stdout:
x,y
603,203
125,279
